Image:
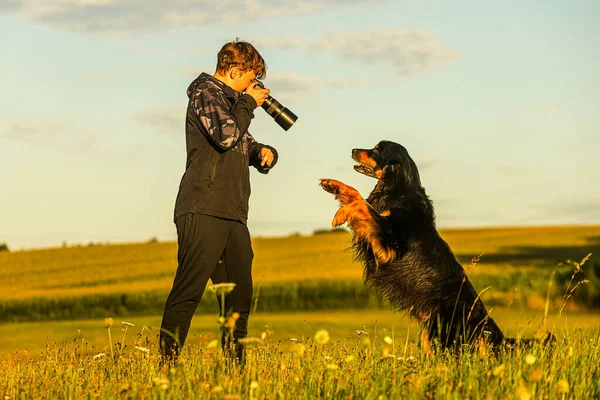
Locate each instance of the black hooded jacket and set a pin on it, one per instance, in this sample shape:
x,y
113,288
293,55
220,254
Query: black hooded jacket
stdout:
x,y
219,151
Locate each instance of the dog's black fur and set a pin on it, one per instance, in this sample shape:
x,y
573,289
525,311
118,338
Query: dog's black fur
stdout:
x,y
403,254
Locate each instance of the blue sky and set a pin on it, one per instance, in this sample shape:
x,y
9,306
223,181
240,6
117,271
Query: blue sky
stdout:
x,y
498,103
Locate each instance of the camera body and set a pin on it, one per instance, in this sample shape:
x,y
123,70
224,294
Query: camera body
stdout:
x,y
282,115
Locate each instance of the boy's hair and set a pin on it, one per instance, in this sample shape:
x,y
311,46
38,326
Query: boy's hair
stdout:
x,y
242,55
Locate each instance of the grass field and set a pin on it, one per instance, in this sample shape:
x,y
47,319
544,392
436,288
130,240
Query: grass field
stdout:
x,y
306,356
297,272
304,284
127,268
33,337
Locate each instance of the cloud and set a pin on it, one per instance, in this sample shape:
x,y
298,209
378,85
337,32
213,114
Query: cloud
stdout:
x,y
571,208
168,120
296,83
162,120
404,52
111,16
8,6
57,135
68,138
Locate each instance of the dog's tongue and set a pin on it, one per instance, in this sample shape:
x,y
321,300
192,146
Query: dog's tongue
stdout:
x,y
363,169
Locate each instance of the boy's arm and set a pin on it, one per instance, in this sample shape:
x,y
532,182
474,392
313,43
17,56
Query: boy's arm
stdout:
x,y
254,149
225,127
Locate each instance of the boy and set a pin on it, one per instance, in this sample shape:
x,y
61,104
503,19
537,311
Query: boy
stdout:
x,y
211,209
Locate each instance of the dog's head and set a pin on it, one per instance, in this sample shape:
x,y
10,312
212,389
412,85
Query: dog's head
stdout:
x,y
387,160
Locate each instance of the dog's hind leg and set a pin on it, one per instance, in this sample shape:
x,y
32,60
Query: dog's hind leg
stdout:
x,y
426,343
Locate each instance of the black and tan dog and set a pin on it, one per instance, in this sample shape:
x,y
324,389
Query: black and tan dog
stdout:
x,y
403,254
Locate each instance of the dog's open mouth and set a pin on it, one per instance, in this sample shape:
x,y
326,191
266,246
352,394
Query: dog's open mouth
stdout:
x,y
364,169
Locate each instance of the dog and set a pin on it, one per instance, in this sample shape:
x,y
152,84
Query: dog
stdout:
x,y
405,258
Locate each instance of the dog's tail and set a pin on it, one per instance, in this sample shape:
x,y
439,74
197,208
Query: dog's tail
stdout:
x,y
544,338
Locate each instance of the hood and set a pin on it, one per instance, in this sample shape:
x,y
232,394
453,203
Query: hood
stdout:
x,y
209,79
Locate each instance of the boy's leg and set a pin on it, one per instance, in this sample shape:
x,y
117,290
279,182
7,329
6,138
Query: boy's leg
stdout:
x,y
201,240
237,268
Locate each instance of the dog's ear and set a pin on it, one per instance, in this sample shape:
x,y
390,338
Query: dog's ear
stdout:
x,y
406,173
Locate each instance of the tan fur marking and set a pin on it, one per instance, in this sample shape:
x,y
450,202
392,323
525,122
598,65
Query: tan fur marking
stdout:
x,y
363,158
354,210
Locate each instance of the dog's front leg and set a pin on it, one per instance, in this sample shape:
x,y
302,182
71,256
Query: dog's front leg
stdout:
x,y
346,195
342,192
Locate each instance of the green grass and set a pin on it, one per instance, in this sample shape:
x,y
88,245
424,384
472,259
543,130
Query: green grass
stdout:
x,y
342,324
346,366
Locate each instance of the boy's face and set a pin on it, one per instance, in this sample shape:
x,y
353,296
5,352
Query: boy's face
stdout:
x,y
241,79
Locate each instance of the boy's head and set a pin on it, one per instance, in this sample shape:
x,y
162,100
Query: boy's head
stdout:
x,y
241,63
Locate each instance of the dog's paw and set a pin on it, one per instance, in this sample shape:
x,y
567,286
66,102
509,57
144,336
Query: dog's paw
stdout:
x,y
341,217
344,193
331,185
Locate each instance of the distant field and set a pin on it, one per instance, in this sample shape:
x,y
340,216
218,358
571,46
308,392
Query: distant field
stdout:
x,y
135,278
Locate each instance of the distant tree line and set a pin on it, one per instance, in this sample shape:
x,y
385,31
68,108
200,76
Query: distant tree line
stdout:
x,y
4,247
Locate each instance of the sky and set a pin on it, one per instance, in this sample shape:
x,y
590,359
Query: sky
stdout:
x,y
497,102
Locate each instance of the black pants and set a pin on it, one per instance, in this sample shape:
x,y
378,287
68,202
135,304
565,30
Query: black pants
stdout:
x,y
209,248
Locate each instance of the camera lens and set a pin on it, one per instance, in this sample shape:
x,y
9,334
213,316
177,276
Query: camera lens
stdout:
x,y
282,115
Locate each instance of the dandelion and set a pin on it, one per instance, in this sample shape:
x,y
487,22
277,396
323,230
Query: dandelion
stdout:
x,y
124,326
163,383
213,344
522,392
254,385
98,356
108,322
499,370
298,349
322,336
570,351
350,358
263,335
142,349
296,379
332,366
388,340
222,288
217,389
530,359
562,386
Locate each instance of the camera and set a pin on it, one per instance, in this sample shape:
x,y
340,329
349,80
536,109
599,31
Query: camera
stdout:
x,y
282,115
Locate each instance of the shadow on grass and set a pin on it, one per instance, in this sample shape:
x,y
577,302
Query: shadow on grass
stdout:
x,y
538,255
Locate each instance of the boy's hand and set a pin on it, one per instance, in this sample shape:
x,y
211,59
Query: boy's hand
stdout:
x,y
259,95
267,157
